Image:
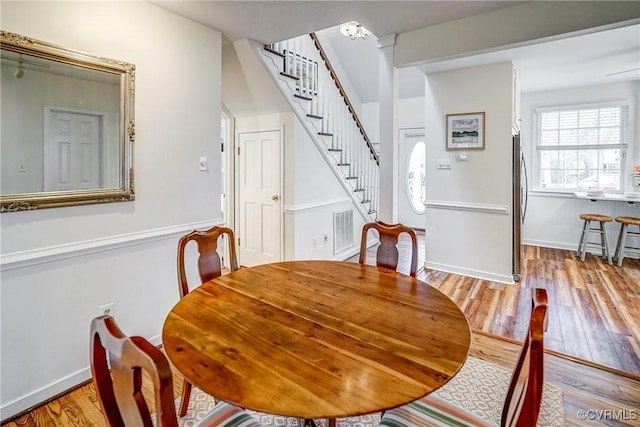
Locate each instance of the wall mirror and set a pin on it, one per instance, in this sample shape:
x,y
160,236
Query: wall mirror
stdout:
x,y
67,126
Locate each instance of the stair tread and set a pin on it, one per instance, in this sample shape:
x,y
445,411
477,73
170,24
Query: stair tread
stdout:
x,y
291,76
299,91
269,49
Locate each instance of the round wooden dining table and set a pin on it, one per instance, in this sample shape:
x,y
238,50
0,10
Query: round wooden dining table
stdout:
x,y
316,339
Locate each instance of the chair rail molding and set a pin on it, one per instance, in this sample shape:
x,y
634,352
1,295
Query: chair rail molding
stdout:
x,y
472,207
294,209
75,249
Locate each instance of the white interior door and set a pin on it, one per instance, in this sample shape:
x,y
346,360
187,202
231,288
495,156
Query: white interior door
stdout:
x,y
72,157
259,184
411,179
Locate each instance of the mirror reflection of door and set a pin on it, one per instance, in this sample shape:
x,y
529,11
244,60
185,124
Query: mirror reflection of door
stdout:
x,y
73,149
411,182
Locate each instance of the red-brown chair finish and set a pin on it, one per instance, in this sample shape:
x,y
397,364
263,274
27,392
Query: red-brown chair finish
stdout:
x,y
522,404
209,262
523,399
120,389
121,395
209,267
387,254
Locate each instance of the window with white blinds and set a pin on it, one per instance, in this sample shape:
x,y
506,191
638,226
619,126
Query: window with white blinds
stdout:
x,y
582,147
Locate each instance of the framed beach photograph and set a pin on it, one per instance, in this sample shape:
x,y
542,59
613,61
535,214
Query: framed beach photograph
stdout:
x,y
465,131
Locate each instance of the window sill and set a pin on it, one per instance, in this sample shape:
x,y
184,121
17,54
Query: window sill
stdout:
x,y
568,194
557,194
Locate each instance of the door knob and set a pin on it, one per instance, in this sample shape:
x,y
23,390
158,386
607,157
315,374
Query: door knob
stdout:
x,y
275,198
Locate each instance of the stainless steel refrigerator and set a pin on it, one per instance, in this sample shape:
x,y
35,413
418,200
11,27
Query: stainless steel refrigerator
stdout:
x,y
520,193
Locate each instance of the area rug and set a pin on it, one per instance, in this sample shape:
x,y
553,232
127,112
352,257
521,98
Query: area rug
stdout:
x,y
480,388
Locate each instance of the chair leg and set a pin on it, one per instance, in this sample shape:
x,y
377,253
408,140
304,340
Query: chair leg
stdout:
x,y
184,400
332,422
605,244
582,243
621,242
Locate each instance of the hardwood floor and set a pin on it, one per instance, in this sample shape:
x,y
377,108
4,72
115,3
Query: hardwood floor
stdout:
x,y
594,307
594,318
605,397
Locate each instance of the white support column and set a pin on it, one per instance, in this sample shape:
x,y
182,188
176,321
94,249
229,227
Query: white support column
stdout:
x,y
388,135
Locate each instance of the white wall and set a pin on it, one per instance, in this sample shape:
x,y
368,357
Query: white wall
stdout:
x,y
311,190
318,194
468,217
59,265
340,71
411,114
553,219
247,89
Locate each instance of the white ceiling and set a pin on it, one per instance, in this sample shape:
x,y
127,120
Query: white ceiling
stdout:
x,y
575,61
272,21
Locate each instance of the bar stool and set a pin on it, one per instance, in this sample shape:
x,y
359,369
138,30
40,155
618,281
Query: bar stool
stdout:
x,y
625,222
586,229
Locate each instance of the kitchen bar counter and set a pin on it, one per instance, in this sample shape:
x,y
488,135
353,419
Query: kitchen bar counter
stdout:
x,y
612,197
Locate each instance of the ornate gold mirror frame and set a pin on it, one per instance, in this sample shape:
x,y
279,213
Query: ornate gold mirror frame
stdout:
x,y
68,90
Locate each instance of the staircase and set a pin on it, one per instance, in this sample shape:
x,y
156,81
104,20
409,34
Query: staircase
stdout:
x,y
301,70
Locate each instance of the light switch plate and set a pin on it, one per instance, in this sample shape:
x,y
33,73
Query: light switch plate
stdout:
x,y
444,163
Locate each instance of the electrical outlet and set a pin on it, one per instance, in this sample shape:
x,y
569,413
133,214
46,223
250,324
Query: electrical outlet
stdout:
x,y
314,242
326,238
106,310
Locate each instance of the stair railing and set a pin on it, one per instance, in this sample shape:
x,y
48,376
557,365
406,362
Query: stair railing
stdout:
x,y
337,121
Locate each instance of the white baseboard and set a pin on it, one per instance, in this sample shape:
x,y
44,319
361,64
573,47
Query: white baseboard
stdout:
x,y
43,394
345,255
552,245
469,272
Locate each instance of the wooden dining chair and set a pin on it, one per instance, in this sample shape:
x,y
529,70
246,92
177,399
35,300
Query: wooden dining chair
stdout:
x,y
209,262
387,254
120,389
523,399
209,267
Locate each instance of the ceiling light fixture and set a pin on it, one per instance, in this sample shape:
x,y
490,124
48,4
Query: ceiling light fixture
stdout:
x,y
354,29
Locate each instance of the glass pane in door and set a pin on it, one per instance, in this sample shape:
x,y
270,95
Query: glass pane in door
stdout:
x,y
416,184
